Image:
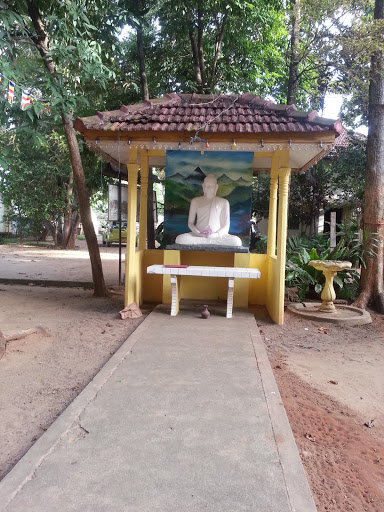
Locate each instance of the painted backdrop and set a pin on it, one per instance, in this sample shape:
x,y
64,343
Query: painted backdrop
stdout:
x,y
184,175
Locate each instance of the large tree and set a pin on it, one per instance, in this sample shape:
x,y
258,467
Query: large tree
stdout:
x,y
216,46
372,277
69,48
317,33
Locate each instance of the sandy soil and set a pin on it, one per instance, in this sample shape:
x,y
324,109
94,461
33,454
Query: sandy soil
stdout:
x,y
331,380
42,373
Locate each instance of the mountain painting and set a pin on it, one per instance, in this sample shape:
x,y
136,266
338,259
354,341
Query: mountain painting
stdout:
x,y
185,172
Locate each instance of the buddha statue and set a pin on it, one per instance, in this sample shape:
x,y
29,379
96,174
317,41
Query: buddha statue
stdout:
x,y
209,219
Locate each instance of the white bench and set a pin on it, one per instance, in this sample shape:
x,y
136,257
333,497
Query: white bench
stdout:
x,y
231,273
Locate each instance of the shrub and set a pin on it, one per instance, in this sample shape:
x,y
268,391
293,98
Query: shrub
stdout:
x,y
352,246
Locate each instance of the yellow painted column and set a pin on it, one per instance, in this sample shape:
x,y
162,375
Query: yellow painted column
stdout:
x,y
130,257
143,199
284,174
272,217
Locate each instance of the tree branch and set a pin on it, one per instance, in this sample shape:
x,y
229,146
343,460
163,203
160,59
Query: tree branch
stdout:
x,y
217,50
40,40
195,57
200,42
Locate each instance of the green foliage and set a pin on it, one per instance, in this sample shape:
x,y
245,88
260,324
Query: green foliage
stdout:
x,y
5,240
335,181
32,183
336,40
75,50
250,58
260,196
347,173
358,41
299,273
259,246
308,195
352,246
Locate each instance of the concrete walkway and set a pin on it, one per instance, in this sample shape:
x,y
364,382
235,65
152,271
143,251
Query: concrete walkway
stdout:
x,y
186,416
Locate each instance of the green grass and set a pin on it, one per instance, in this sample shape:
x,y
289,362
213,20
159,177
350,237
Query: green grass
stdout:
x,y
6,241
16,240
81,237
37,244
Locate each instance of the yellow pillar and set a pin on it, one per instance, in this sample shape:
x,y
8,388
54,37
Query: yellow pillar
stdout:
x,y
272,217
130,257
143,199
284,174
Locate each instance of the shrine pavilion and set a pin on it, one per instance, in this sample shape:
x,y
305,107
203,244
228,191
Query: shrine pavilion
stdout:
x,y
282,139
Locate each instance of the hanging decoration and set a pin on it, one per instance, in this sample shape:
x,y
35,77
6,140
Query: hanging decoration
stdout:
x,y
46,109
25,100
11,92
26,97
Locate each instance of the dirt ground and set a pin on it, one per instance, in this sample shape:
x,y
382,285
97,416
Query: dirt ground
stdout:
x,y
42,373
331,379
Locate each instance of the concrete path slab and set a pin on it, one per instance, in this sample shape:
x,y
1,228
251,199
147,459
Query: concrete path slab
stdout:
x,y
185,417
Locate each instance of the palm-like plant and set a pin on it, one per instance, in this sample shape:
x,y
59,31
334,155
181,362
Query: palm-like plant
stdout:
x,y
353,246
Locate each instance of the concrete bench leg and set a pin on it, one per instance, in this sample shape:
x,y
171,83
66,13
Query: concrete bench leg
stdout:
x,y
175,295
231,282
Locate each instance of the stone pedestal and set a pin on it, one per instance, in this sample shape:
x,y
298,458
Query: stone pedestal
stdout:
x,y
329,269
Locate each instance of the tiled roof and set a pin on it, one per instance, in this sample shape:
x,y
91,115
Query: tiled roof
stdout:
x,y
225,114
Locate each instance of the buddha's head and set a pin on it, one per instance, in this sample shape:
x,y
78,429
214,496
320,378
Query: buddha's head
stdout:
x,y
210,186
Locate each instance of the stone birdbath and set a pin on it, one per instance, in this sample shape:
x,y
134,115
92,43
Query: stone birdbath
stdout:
x,y
329,269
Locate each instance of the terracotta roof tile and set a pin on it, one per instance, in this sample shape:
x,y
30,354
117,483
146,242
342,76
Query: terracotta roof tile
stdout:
x,y
230,114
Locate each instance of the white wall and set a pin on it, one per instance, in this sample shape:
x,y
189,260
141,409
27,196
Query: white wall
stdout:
x,y
4,226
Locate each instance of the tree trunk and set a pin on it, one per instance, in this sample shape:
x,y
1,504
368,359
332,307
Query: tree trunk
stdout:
x,y
71,223
55,235
219,40
140,53
196,65
100,289
371,290
67,230
41,40
200,43
72,232
294,58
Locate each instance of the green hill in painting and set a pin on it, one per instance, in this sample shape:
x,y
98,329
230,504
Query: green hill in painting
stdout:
x,y
197,176
226,189
177,177
224,179
178,196
239,195
242,181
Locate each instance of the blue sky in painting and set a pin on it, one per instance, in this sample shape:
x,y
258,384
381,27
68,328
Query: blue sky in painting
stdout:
x,y
234,164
